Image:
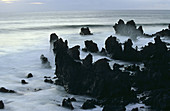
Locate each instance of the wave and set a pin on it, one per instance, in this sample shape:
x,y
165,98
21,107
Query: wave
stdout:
x,y
38,28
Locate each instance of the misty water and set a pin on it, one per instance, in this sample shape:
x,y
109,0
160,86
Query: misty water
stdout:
x,y
25,36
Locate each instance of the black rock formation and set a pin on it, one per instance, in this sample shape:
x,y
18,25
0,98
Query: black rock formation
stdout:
x,y
67,103
29,75
74,52
113,87
88,105
53,37
90,46
24,82
1,105
4,90
85,31
128,29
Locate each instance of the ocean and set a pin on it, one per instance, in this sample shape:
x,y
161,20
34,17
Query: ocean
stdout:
x,y
25,36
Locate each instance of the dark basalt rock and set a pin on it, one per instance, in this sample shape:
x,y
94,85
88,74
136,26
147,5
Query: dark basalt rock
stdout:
x,y
45,62
67,103
2,105
24,82
48,81
113,47
169,26
88,105
73,99
91,46
53,37
128,29
114,86
74,52
29,75
135,109
103,52
4,90
85,31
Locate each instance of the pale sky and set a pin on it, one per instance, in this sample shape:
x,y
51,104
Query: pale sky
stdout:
x,y
54,5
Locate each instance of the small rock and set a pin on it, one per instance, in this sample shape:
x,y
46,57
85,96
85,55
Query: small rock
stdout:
x,y
24,82
73,99
67,103
29,75
88,105
4,90
48,81
1,105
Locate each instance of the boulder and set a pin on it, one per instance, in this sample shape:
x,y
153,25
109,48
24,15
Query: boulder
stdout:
x,y
87,62
67,104
29,75
91,46
85,31
88,105
45,62
1,105
48,81
24,82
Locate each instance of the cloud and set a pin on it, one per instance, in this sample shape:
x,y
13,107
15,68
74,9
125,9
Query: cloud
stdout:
x,y
37,3
9,1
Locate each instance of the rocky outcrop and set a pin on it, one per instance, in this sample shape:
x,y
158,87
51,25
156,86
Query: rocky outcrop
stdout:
x,y
113,87
29,75
67,103
53,37
90,46
85,31
128,29
88,105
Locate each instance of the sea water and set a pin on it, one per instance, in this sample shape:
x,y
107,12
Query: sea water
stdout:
x,y
25,36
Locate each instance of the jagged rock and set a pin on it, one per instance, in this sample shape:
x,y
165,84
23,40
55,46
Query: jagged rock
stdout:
x,y
67,103
128,29
45,62
91,46
103,52
87,62
113,47
24,82
29,75
85,31
1,105
53,37
88,105
74,52
4,90
169,26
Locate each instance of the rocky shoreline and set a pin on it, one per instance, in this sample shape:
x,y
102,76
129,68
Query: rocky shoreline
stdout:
x,y
113,87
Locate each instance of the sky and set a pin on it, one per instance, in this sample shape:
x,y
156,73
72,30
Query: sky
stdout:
x,y
66,5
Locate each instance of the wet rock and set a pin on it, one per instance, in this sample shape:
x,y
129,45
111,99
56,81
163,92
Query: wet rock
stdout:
x,y
169,26
45,62
48,81
91,46
29,75
128,29
24,82
88,105
73,99
103,52
85,31
113,47
53,37
4,90
2,105
67,103
74,52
